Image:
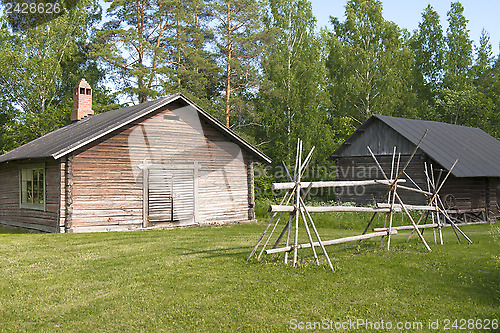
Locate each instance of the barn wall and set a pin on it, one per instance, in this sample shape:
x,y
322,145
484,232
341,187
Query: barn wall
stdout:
x,y
364,168
12,214
472,194
494,195
381,138
107,179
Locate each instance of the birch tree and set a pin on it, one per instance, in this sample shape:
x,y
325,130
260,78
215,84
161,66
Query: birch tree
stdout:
x,y
368,62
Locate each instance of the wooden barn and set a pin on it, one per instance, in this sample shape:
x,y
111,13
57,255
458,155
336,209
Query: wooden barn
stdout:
x,y
161,163
473,188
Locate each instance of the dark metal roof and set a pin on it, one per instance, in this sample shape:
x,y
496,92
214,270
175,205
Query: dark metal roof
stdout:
x,y
478,153
67,139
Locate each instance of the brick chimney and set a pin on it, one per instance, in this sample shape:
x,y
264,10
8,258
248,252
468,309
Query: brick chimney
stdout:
x,y
82,101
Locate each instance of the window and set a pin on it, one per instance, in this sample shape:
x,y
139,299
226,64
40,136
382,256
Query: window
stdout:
x,y
32,187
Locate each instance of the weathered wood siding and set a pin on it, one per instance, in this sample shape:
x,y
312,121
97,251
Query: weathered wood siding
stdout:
x,y
470,193
12,214
494,195
364,168
381,138
107,184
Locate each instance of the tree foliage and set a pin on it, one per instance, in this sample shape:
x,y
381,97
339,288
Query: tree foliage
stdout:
x,y
428,46
292,101
38,68
368,61
261,67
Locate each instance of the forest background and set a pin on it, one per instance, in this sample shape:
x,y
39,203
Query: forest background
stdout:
x,y
261,67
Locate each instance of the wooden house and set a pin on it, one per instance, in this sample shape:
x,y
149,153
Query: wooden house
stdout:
x,y
473,187
160,163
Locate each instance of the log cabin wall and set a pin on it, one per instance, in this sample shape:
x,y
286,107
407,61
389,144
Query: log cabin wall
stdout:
x,y
106,176
365,168
494,195
470,193
12,214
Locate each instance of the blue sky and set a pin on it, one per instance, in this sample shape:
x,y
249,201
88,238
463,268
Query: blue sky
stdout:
x,y
408,13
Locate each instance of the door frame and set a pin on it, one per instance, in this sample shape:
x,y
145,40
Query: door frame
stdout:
x,y
195,167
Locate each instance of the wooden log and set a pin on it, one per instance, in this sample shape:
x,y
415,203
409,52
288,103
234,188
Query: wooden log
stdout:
x,y
413,222
409,207
267,227
407,227
297,204
324,209
335,183
414,190
317,235
331,242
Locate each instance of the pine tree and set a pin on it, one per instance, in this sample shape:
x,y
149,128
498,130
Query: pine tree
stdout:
x,y
238,42
132,46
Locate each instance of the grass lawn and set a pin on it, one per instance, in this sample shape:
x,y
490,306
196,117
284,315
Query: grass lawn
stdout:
x,y
198,279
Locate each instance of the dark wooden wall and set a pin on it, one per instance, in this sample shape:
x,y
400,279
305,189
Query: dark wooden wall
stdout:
x,y
494,195
471,193
106,178
381,138
12,214
364,168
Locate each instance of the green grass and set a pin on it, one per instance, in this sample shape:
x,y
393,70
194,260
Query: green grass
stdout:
x,y
198,279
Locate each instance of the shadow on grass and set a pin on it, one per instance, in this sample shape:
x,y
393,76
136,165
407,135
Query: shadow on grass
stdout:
x,y
212,253
9,230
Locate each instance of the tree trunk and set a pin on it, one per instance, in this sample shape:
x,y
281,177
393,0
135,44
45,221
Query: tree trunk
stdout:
x,y
228,68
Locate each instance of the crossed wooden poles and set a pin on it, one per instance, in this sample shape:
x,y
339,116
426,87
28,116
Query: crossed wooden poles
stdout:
x,y
434,205
299,210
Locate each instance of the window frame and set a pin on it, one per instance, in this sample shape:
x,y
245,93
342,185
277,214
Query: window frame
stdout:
x,y
32,205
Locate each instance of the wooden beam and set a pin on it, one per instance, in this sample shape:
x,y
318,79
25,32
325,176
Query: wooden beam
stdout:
x,y
336,183
414,190
407,227
410,207
325,209
331,242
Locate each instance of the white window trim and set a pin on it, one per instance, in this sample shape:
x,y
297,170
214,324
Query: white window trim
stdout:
x,y
34,206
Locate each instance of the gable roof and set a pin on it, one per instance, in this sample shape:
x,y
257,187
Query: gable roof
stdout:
x,y
478,153
67,139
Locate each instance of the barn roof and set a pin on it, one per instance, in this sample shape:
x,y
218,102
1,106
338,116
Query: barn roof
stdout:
x,y
67,139
478,153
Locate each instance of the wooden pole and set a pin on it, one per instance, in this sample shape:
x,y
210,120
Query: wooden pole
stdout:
x,y
274,227
388,200
426,216
397,178
289,229
297,208
309,235
331,242
317,235
445,213
392,207
434,215
267,228
406,227
296,172
413,222
337,183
